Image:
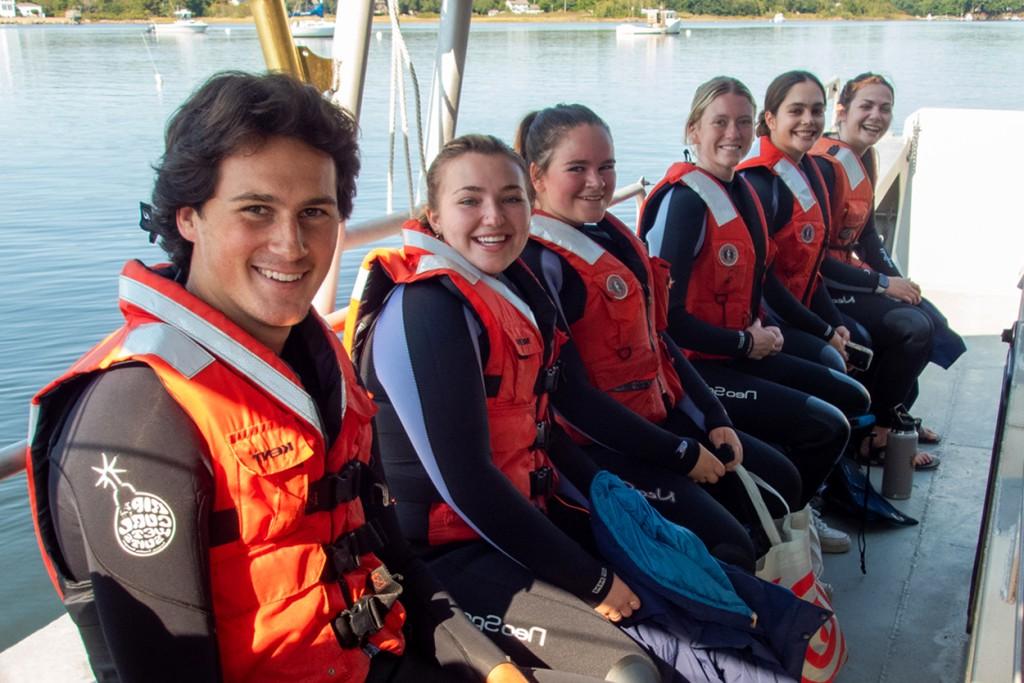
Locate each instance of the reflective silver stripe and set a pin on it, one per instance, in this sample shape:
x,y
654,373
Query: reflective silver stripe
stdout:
x,y
755,149
444,253
567,237
33,421
796,182
430,262
224,347
361,277
851,164
177,350
714,196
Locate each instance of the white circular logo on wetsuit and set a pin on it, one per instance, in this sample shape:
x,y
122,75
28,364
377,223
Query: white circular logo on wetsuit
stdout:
x,y
728,255
143,522
807,234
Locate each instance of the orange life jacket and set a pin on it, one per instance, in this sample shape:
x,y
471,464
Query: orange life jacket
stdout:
x,y
722,279
853,198
277,593
618,335
517,362
800,244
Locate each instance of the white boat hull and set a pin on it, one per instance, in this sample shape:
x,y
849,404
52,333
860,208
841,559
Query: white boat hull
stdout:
x,y
180,28
672,28
312,29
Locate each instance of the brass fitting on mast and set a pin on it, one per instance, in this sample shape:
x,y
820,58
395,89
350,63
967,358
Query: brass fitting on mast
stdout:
x,y
279,50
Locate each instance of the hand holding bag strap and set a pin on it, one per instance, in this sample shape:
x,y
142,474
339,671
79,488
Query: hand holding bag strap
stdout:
x,y
758,502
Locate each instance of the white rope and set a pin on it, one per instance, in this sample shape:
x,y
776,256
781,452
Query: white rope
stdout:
x,y
400,57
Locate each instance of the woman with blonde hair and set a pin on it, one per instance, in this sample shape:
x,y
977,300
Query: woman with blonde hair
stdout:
x,y
708,223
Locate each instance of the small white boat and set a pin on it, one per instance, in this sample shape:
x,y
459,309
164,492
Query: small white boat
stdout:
x,y
183,25
312,28
778,18
659,22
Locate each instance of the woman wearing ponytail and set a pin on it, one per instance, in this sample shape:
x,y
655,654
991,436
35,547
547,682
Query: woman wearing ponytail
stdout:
x,y
708,224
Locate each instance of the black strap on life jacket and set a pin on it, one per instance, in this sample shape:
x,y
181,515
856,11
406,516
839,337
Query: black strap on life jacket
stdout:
x,y
542,482
336,488
354,626
343,555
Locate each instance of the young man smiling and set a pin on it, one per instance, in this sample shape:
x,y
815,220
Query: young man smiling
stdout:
x,y
202,481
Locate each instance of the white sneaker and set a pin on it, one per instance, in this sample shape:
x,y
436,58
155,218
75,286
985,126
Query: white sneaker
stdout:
x,y
832,540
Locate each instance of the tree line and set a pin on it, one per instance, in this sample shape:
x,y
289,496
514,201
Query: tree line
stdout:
x,y
142,9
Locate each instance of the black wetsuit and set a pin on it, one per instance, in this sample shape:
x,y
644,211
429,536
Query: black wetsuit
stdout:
x,y
798,404
806,330
899,333
647,455
146,621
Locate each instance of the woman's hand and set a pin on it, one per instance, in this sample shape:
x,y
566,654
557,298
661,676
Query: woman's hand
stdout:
x,y
764,341
708,469
728,435
779,340
839,339
506,672
620,602
904,290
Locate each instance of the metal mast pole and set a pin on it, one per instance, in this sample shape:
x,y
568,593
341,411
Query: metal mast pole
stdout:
x,y
352,27
452,38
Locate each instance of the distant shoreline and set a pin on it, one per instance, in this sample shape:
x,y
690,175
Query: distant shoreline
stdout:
x,y
546,18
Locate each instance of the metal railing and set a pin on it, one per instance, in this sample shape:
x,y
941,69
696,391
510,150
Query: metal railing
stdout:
x,y
995,616
12,457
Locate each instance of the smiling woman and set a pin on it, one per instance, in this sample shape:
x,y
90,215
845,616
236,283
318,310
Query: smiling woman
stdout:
x,y
481,205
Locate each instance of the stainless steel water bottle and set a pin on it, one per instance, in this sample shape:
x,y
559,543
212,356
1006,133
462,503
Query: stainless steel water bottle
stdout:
x,y
898,471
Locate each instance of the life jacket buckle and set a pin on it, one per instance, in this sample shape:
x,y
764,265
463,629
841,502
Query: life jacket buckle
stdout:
x,y
335,488
543,438
355,625
343,555
542,482
550,378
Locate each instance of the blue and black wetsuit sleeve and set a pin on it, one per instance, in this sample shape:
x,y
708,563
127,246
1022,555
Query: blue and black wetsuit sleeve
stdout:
x,y
699,402
609,423
674,229
427,362
871,248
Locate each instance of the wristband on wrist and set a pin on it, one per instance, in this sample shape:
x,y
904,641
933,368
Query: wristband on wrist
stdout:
x,y
883,283
746,343
829,331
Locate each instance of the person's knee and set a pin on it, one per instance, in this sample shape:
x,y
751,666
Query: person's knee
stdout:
x,y
852,397
823,425
910,325
830,358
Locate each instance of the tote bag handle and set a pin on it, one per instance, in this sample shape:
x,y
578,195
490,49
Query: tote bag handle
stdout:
x,y
751,482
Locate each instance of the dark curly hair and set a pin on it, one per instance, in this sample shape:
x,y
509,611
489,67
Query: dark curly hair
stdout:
x,y
235,110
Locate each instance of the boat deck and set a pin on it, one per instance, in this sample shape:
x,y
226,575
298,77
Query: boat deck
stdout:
x,y
904,620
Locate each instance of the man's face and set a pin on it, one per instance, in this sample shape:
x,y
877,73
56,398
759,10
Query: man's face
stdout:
x,y
265,239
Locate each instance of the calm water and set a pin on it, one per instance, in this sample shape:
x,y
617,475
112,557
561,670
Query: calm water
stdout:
x,y
82,123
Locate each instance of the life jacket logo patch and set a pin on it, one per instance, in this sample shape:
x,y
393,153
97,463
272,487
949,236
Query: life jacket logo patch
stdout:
x,y
144,523
263,448
807,233
728,255
617,287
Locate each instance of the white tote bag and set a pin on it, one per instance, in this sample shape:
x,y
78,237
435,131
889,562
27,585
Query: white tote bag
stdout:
x,y
794,561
